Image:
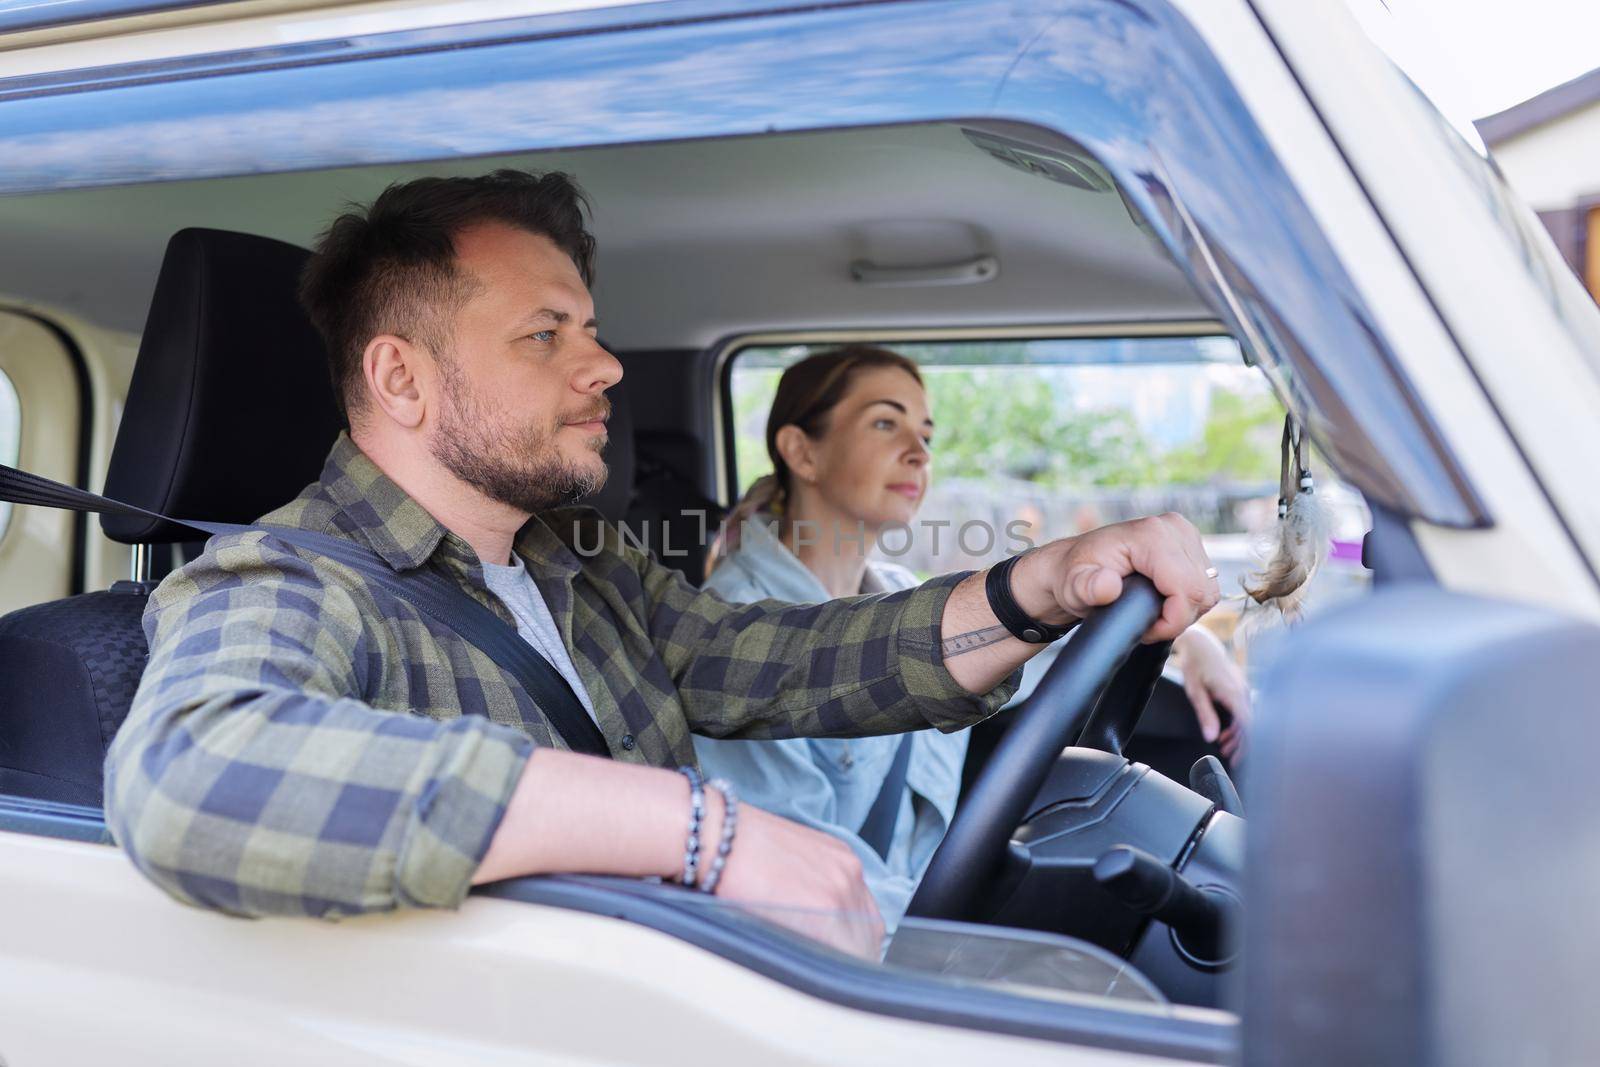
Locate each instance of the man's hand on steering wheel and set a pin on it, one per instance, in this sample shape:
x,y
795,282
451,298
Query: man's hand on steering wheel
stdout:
x,y
1064,580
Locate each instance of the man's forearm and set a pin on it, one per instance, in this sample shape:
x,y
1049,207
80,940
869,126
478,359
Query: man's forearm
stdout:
x,y
1062,581
978,652
579,814
572,813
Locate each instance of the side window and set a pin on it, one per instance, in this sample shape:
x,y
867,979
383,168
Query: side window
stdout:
x,y
1040,439
10,437
40,422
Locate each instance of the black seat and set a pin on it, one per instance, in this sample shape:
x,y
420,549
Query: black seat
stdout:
x,y
230,413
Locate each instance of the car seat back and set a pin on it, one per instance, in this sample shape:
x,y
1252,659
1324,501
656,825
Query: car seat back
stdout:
x,y
230,412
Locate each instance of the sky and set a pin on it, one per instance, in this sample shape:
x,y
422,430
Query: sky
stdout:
x,y
1483,56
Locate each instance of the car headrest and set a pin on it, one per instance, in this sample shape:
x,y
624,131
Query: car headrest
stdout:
x,y
230,412
231,409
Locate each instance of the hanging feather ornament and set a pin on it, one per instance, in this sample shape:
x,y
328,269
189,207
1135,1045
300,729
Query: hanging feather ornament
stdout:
x,y
1297,547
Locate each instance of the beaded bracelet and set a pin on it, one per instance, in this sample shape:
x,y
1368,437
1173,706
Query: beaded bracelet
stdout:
x,y
730,821
697,815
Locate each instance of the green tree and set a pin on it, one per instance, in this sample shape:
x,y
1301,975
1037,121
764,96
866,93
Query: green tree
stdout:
x,y
753,390
1239,443
1017,422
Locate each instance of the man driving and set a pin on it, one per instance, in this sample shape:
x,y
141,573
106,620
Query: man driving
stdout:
x,y
306,742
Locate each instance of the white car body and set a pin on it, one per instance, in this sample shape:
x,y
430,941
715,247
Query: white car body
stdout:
x,y
95,965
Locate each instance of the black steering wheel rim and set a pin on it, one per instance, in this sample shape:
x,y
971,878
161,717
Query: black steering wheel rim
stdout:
x,y
1091,664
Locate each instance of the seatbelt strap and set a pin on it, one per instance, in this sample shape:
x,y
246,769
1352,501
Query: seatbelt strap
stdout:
x,y
877,830
428,591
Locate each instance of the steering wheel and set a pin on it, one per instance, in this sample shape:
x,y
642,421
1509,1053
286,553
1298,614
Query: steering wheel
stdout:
x,y
1103,662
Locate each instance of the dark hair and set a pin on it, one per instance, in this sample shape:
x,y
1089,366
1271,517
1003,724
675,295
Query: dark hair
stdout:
x,y
807,394
391,268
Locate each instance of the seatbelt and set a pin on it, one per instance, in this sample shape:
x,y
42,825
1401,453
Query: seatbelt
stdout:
x,y
426,590
877,829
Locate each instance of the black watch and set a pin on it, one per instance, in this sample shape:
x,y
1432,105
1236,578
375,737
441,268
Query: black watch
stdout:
x,y
1022,626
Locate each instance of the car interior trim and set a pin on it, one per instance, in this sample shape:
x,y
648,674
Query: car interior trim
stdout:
x,y
49,818
836,978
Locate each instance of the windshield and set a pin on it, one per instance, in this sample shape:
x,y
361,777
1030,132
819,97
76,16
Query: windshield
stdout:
x,y
1433,91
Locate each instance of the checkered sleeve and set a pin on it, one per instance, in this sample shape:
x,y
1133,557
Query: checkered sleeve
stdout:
x,y
853,667
251,778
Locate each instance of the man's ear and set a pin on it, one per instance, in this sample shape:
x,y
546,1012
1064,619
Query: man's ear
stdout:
x,y
396,373
798,452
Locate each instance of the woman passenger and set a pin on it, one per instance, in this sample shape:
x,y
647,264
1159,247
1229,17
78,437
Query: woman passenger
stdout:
x,y
850,437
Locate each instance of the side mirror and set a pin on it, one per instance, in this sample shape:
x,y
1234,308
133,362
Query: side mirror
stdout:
x,y
1423,871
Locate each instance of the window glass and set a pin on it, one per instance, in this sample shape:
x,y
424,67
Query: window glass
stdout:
x,y
1028,963
1041,439
10,437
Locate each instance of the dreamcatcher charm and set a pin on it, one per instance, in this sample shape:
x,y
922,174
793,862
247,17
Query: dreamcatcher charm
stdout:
x,y
1298,545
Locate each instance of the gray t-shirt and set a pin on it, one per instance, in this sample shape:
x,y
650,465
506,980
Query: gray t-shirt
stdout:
x,y
515,588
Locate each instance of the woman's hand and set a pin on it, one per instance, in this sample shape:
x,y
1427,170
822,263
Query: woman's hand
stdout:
x,y
1210,678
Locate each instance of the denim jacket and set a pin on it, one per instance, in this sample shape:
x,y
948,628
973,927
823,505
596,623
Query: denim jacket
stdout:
x,y
831,783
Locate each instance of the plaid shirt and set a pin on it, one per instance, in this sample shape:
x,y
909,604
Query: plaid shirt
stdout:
x,y
305,743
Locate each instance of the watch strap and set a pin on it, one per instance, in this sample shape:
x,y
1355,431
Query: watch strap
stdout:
x,y
1021,625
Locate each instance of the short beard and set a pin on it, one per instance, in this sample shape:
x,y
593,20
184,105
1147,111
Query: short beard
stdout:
x,y
516,466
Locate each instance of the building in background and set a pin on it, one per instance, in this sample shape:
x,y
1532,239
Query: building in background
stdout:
x,y
1548,147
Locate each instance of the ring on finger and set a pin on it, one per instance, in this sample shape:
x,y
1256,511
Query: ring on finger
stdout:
x,y
1212,572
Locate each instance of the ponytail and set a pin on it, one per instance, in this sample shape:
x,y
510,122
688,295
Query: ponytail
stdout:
x,y
767,494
